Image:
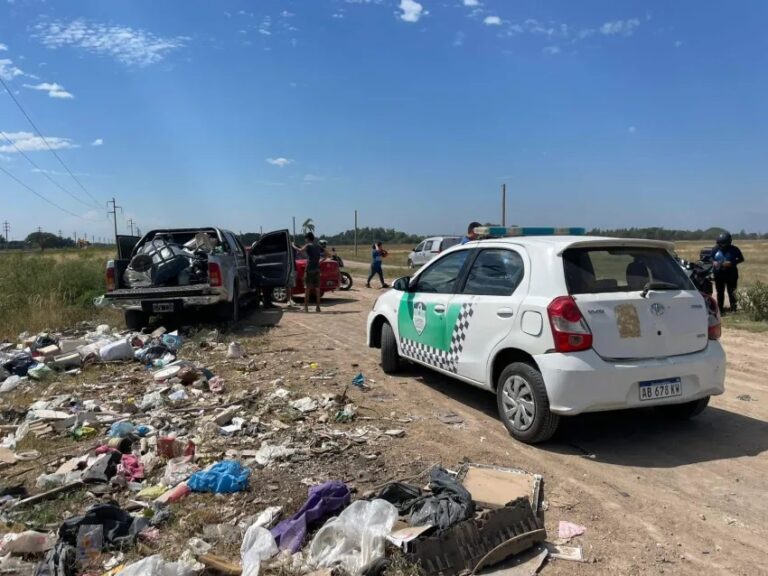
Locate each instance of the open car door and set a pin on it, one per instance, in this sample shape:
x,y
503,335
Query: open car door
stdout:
x,y
125,245
272,260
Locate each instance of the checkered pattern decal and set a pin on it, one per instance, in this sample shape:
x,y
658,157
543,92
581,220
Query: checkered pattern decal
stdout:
x,y
440,358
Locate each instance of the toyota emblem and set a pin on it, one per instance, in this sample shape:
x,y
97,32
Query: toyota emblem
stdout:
x,y
657,309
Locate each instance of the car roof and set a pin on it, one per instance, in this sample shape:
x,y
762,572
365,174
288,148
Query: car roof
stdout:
x,y
562,243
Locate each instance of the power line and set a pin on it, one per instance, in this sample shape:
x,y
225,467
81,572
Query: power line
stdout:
x,y
8,90
43,172
36,193
114,210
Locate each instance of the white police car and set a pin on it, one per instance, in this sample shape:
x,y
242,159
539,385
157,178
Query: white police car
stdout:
x,y
557,325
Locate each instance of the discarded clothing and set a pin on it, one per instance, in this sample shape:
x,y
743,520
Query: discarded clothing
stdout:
x,y
120,528
132,468
447,503
221,478
103,469
20,364
324,501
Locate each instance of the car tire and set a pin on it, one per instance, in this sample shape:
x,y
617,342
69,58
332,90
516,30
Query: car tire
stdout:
x,y
410,264
346,282
280,294
523,404
390,358
687,410
136,319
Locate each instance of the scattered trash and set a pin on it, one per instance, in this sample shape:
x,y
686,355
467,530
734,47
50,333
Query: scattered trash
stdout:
x,y
156,566
395,433
258,544
235,351
354,538
221,478
268,453
216,384
745,397
567,530
28,542
324,501
359,380
496,486
571,553
305,404
450,418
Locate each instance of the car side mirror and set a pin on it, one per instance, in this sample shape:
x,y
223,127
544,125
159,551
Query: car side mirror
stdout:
x,y
402,284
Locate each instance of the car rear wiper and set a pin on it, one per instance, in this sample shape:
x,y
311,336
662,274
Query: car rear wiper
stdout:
x,y
657,285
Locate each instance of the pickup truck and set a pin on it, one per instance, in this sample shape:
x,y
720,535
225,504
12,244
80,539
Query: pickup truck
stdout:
x,y
168,271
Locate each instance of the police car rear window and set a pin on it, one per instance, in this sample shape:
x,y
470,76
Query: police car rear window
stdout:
x,y
621,269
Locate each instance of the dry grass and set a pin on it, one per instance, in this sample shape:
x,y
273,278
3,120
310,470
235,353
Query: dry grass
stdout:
x,y
755,266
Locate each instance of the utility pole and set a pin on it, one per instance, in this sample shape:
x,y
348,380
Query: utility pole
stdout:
x,y
138,231
59,233
355,232
503,204
113,212
294,228
130,223
7,231
39,230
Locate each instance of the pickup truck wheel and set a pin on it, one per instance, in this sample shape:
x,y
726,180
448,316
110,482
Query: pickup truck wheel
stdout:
x,y
280,294
136,319
346,282
390,359
523,404
230,311
687,410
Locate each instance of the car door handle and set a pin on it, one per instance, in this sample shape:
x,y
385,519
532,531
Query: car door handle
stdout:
x,y
505,313
439,309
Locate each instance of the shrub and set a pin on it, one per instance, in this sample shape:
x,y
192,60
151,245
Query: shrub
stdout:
x,y
753,300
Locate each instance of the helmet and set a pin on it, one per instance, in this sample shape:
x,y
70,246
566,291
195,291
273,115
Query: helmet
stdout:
x,y
724,239
323,243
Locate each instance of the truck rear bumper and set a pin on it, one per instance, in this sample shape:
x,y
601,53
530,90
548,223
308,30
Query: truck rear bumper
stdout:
x,y
186,302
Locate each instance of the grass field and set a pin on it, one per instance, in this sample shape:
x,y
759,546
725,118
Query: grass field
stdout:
x,y
50,290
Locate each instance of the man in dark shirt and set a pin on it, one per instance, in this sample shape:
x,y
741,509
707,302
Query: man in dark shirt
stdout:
x,y
470,233
312,272
726,258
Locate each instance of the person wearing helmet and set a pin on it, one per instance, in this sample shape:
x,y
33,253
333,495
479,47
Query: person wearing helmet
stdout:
x,y
323,247
726,258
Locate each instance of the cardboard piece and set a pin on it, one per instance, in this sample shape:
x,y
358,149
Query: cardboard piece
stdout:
x,y
403,536
571,553
495,486
527,563
475,544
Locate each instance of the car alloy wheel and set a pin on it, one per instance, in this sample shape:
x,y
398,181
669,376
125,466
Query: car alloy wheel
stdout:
x,y
518,403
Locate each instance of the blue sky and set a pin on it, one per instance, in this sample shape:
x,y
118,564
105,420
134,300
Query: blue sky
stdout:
x,y
244,114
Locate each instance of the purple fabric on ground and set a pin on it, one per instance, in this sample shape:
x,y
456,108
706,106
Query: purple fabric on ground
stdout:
x,y
324,501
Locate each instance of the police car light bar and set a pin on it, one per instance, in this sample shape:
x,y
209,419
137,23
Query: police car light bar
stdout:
x,y
527,231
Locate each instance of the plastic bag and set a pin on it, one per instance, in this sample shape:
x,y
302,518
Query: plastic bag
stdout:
x,y
11,383
29,542
221,478
354,538
156,566
179,469
114,351
258,544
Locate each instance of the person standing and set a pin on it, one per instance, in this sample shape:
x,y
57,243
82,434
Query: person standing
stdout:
x,y
726,258
378,253
312,271
470,233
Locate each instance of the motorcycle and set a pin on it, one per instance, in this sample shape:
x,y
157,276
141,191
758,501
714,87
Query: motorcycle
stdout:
x,y
700,273
346,277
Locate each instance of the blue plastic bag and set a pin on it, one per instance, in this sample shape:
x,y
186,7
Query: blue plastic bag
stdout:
x,y
222,478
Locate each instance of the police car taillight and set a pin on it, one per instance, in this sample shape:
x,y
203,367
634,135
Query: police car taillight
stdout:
x,y
569,329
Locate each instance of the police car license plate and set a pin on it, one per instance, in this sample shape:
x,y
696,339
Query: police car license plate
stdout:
x,y
658,389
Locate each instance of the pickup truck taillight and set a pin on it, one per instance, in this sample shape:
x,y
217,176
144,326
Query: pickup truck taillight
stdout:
x,y
214,274
111,279
713,313
569,330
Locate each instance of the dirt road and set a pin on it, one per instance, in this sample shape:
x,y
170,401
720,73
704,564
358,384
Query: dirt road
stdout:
x,y
657,497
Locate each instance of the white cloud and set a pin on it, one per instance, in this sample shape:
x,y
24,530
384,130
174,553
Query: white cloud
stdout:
x,y
492,21
129,46
625,27
631,129
29,142
54,90
313,178
287,14
3,47
338,15
458,40
412,11
8,71
471,3
279,162
552,50
98,142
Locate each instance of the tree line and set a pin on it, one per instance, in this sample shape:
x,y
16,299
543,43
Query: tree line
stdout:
x,y
657,233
